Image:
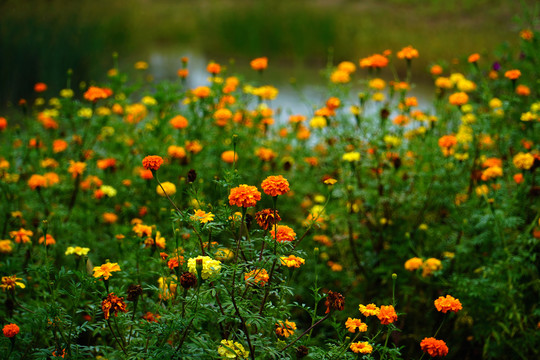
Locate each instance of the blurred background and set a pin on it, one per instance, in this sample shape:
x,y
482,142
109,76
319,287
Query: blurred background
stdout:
x,y
40,40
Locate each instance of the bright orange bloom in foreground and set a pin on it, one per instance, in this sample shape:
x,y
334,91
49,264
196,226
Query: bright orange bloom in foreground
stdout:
x,y
95,93
353,324
369,310
179,122
229,156
284,233
408,53
448,303
37,181
76,168
259,64
152,162
459,98
3,123
244,196
21,235
362,347
512,74
434,347
275,185
285,329
387,314
10,330
105,270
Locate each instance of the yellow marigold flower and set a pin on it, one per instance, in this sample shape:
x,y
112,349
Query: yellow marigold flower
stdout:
x,y
202,216
466,85
266,92
431,265
6,246
495,103
85,113
353,324
232,350
443,83
340,77
141,65
285,329
108,190
528,116
292,261
362,347
210,267
347,66
149,101
66,93
167,287
318,122
105,270
523,161
377,84
330,181
10,283
77,250
413,264
351,156
378,96
369,310
491,173
223,254
169,188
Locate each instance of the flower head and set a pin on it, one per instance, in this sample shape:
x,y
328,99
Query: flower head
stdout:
x,y
292,261
152,162
459,98
76,168
285,329
95,93
179,122
202,216
362,347
105,270
232,350
275,185
353,324
21,235
387,314
169,187
210,267
413,264
434,347
334,301
113,303
244,196
284,234
77,250
229,156
10,283
10,330
369,310
257,277
512,74
523,161
265,218
259,64
448,303
407,53
431,265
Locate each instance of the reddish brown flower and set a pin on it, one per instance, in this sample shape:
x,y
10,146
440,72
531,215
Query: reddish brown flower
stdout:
x,y
113,303
152,162
334,301
188,280
265,218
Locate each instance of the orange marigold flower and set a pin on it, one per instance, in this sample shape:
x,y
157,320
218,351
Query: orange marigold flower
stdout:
x,y
259,64
10,330
323,239
369,310
446,143
458,99
523,90
105,270
526,34
175,262
434,347
265,218
353,324
474,58
265,154
448,303
413,264
40,87
518,178
95,93
229,156
176,152
387,314
113,303
436,70
194,146
244,196
347,67
285,329
512,74
76,168
142,230
179,122
183,73
201,92
152,162
21,235
50,240
275,185
222,116
362,347
109,218
489,162
431,265
104,164
59,145
334,301
213,68
284,234
407,53
292,261
257,277
37,181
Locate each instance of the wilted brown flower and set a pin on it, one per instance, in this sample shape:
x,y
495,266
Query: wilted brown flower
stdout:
x,y
334,301
113,303
133,292
265,218
188,280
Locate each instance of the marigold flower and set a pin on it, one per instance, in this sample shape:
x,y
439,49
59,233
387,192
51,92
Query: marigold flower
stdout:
x,y
407,53
387,314
284,234
257,277
21,235
353,324
76,168
188,280
232,350
347,66
436,70
113,303
259,64
213,68
105,270
142,230
152,162
59,145
10,330
175,262
40,87
159,241
512,74
526,34
362,347
323,239
95,93
352,156
50,240
285,329
448,303
413,264
169,187
10,283
104,164
265,154
275,185
523,90
334,301
167,287
340,77
6,246
458,99
182,73
202,216
210,267
229,156
244,196
265,218
37,181
77,250
518,179
369,310
292,261
523,161
434,347
201,92
473,58
431,265
491,173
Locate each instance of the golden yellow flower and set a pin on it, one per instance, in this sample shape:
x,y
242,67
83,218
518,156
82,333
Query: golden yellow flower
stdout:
x,y
105,270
